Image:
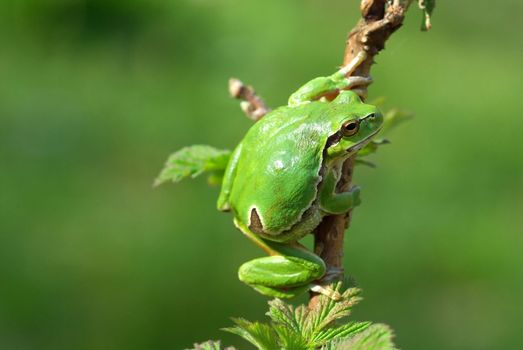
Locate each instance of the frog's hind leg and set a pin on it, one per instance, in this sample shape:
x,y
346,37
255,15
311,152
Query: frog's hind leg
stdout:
x,y
282,293
283,276
290,270
255,238
324,86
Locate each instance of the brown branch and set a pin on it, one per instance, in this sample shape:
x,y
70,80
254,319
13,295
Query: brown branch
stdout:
x,y
379,20
252,105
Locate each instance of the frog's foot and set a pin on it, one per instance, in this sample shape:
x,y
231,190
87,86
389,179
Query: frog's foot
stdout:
x,y
359,86
327,86
332,84
282,276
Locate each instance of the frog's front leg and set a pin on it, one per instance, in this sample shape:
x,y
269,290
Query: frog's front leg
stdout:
x,y
322,86
286,275
337,203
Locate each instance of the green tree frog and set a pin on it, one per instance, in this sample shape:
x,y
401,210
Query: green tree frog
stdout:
x,y
281,179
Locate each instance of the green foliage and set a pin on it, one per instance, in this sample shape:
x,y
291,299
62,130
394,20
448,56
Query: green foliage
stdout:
x,y
304,327
261,335
193,161
211,345
394,117
375,337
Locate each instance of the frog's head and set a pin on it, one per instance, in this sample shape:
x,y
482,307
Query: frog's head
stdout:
x,y
354,125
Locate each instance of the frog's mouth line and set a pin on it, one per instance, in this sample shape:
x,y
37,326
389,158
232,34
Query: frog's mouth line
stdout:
x,y
362,144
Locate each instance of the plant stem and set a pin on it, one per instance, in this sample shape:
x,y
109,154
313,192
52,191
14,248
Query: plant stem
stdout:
x,y
379,20
252,105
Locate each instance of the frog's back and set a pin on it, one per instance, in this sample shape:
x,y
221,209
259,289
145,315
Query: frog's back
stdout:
x,y
280,162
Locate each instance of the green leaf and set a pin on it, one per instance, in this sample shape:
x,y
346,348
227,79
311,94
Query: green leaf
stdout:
x,y
427,7
375,337
372,147
327,310
308,328
394,117
285,314
193,161
343,331
314,327
210,345
259,334
290,340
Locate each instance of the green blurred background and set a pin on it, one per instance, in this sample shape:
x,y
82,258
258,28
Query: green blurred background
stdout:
x,y
95,94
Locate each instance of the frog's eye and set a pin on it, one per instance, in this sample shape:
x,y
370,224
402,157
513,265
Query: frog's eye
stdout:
x,y
350,128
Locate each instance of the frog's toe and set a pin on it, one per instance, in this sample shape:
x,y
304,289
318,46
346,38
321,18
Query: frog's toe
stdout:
x,y
358,81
